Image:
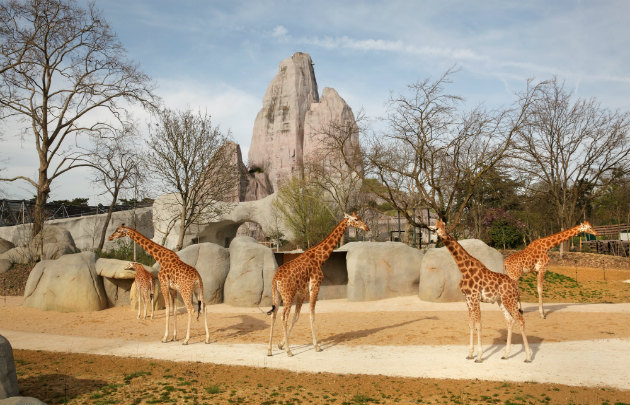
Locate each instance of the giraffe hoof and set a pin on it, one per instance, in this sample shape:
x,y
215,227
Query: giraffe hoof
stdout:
x,y
504,358
318,349
184,343
280,346
470,357
478,361
269,353
289,354
528,360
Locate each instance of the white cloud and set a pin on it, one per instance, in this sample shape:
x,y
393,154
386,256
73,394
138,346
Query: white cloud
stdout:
x,y
279,31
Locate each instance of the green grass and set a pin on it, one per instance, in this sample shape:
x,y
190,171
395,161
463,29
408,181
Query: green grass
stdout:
x,y
124,251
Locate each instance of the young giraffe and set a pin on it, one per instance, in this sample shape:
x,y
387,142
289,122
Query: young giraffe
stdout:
x,y
534,257
301,277
174,274
145,287
482,285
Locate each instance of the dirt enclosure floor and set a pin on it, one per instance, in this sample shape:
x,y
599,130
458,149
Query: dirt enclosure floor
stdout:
x,y
58,374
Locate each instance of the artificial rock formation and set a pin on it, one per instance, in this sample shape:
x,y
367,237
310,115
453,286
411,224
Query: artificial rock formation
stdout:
x,y
288,127
276,145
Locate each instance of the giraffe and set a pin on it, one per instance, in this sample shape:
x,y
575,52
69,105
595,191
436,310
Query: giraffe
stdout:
x,y
301,278
482,285
145,286
534,257
174,274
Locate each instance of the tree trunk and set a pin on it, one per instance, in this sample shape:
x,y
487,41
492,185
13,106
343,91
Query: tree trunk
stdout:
x,y
39,212
101,243
182,230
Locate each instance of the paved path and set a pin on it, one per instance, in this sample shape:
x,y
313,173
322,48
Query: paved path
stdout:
x,y
583,363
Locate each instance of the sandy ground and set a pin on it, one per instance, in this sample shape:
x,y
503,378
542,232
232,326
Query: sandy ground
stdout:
x,y
578,344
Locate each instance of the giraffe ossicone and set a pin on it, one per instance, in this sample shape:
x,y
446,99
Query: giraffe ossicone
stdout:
x,y
534,257
479,284
174,275
301,278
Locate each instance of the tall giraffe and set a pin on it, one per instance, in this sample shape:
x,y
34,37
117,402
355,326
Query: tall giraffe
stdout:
x,y
173,274
482,285
534,257
145,287
302,277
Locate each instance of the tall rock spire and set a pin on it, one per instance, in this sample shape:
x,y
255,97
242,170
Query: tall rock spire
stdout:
x,y
278,135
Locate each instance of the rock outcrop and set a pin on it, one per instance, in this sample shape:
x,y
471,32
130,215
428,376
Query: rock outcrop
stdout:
x,y
378,270
276,146
288,128
8,375
68,284
331,115
252,267
440,276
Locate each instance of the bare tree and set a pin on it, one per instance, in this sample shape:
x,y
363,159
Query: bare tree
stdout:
x,y
66,75
194,161
118,166
432,155
570,148
305,211
326,169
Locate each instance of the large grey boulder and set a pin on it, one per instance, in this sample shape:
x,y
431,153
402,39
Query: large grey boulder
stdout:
x,y
117,280
440,276
252,267
213,264
5,265
68,284
56,242
378,270
8,376
21,401
5,245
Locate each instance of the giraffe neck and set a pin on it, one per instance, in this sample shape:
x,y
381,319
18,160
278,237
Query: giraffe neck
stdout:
x,y
457,251
324,248
557,238
152,248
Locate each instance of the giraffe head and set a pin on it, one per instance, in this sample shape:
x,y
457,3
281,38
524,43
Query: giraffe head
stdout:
x,y
131,266
120,232
355,220
440,229
588,228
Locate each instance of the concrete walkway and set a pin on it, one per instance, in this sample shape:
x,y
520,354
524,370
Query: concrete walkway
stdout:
x,y
580,363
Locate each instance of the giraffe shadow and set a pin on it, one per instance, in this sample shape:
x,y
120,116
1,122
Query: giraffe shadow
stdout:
x,y
248,324
339,338
498,344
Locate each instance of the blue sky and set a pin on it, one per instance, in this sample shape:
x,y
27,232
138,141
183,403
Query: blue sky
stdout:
x,y
219,56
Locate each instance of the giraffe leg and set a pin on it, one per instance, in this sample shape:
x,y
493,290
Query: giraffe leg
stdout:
x,y
296,314
510,323
152,296
471,326
286,311
314,291
540,277
187,297
521,323
139,294
205,321
167,300
476,313
146,302
174,301
274,312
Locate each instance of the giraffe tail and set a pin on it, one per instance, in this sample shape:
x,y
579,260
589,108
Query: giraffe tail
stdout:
x,y
274,293
199,297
